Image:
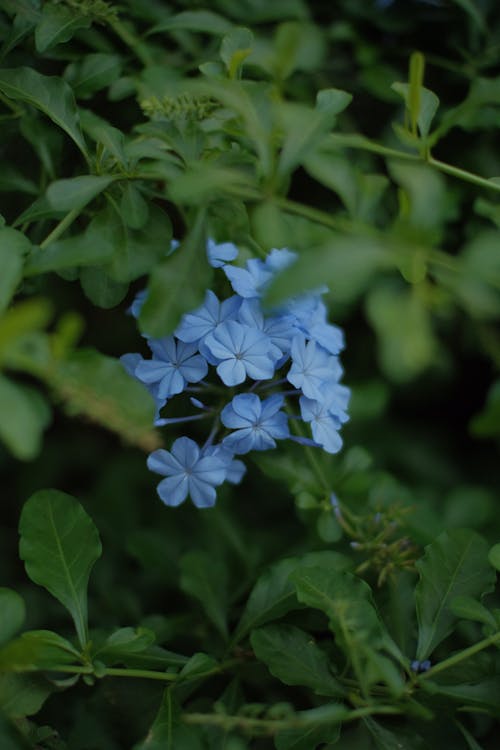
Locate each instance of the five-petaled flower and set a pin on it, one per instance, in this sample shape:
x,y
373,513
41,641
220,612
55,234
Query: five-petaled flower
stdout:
x,y
257,424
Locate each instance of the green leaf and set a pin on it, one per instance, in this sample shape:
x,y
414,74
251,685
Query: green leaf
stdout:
x,y
204,21
455,564
236,46
304,127
272,597
478,284
10,737
136,251
59,545
100,288
494,556
386,739
205,578
100,388
292,656
93,73
346,264
80,250
49,94
13,613
38,649
187,269
428,105
474,13
297,46
467,608
25,414
76,192
483,695
58,24
167,732
204,182
274,594
426,208
406,341
14,246
22,694
134,208
123,643
346,600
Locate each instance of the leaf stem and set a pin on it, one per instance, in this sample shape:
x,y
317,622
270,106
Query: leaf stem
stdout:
x,y
463,174
131,41
61,227
460,656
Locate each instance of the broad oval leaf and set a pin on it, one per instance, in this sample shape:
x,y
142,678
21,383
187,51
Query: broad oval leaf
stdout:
x,y
25,414
37,649
455,564
76,192
59,545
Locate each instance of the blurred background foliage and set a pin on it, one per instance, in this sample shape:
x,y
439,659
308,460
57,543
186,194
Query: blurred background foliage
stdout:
x,y
289,124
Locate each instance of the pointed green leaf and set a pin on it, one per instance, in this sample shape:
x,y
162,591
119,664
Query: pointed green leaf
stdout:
x,y
186,271
14,246
76,192
204,21
59,545
58,24
467,608
292,656
428,105
235,48
346,600
12,615
49,94
455,564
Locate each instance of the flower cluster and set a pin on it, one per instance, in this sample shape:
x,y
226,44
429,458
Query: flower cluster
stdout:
x,y
252,374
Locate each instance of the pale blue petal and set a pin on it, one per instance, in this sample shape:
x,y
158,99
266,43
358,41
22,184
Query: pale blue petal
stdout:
x,y
231,372
186,452
162,462
173,490
202,494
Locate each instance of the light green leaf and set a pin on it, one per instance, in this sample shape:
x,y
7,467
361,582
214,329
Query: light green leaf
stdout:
x,y
186,270
426,207
13,613
14,246
406,341
347,265
49,94
76,192
37,649
455,564
204,21
205,578
59,545
80,250
204,182
494,556
292,656
297,46
236,46
25,414
429,104
58,24
124,643
100,388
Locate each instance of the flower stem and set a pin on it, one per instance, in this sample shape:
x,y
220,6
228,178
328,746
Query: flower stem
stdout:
x,y
61,227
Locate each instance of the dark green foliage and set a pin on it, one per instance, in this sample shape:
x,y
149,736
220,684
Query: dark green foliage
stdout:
x,y
365,138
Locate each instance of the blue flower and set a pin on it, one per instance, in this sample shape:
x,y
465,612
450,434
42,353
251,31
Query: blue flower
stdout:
x,y
250,281
196,325
174,364
235,469
257,424
324,425
312,367
240,351
187,472
220,254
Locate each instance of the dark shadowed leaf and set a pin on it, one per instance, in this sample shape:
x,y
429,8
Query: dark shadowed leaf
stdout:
x,y
12,616
455,564
25,415
293,657
76,192
57,24
22,695
14,246
49,94
206,580
38,649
